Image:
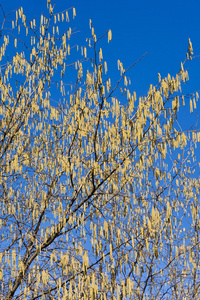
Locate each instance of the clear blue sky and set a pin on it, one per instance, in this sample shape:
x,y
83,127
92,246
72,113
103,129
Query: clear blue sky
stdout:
x,y
161,28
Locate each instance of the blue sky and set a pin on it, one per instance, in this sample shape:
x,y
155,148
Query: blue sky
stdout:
x,y
161,28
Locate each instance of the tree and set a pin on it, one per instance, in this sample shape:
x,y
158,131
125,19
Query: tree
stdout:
x,y
99,200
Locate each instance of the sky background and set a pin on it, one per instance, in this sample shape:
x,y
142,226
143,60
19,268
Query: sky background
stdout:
x,y
161,28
